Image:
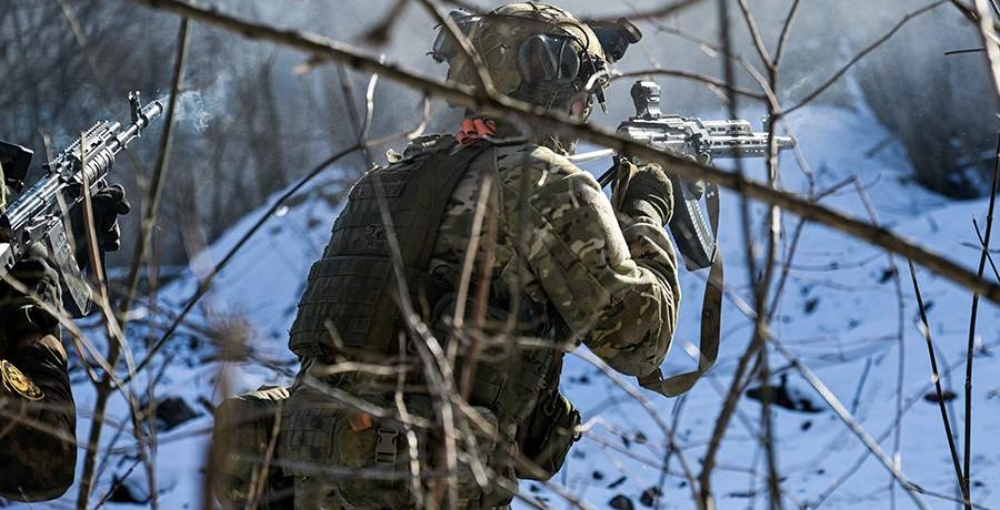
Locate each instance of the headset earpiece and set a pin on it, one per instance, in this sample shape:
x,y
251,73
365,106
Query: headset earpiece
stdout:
x,y
546,59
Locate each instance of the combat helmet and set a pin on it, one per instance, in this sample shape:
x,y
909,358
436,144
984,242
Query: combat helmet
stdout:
x,y
536,52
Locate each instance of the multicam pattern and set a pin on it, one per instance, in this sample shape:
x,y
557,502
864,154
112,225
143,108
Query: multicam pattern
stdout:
x,y
614,284
558,245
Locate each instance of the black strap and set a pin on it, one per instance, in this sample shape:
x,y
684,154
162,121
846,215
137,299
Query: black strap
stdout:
x,y
457,165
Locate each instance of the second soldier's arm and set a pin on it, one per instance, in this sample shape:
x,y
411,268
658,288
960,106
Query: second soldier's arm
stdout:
x,y
37,414
614,283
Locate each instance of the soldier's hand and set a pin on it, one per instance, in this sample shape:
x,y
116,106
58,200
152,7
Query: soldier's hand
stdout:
x,y
108,204
649,194
19,313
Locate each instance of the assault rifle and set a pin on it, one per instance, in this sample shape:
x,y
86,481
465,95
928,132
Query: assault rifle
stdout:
x,y
693,233
702,139
40,214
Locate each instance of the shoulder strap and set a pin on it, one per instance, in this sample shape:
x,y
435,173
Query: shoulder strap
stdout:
x,y
711,318
455,165
437,178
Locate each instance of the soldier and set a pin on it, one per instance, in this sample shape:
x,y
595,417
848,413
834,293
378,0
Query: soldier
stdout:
x,y
37,413
367,425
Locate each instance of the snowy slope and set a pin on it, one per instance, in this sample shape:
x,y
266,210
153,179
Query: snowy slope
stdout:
x,y
838,314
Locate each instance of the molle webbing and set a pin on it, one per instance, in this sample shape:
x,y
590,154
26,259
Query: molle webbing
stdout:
x,y
350,298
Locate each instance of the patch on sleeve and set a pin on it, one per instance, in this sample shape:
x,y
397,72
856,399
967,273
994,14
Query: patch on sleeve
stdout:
x,y
15,381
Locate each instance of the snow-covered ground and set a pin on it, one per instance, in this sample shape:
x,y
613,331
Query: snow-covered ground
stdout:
x,y
839,315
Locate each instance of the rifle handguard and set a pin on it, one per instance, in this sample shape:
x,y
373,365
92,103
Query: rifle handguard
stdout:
x,y
37,215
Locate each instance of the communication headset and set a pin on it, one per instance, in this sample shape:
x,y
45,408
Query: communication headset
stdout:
x,y
550,60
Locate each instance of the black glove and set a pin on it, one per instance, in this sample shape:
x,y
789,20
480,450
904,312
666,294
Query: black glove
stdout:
x,y
648,193
19,314
108,204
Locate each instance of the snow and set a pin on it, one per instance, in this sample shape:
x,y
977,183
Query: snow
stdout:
x,y
838,315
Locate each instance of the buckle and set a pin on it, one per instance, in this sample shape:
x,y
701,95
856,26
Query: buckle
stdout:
x,y
385,447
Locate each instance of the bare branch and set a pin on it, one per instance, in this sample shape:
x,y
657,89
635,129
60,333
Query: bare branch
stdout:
x,y
863,53
785,29
159,174
379,34
660,12
985,253
925,328
206,283
677,73
447,23
504,106
758,41
851,423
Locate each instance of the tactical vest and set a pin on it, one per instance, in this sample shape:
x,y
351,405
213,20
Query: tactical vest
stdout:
x,y
349,304
349,309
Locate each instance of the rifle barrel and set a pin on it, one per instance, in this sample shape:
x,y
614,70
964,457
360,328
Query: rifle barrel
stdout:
x,y
65,168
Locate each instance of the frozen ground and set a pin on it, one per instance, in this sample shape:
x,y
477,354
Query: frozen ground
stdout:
x,y
839,315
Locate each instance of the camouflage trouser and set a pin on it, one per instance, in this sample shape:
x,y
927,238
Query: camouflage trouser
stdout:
x,y
341,458
242,437
313,493
316,493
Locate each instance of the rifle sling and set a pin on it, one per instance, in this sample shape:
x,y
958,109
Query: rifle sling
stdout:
x,y
711,315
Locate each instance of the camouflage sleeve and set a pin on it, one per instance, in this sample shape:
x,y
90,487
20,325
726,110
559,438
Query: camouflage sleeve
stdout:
x,y
614,284
37,420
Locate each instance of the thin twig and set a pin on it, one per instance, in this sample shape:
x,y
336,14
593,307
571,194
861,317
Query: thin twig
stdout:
x,y
989,256
659,12
863,53
116,345
936,377
901,337
970,351
206,283
851,423
785,30
870,443
504,106
758,41
677,73
379,33
482,73
706,498
987,32
159,174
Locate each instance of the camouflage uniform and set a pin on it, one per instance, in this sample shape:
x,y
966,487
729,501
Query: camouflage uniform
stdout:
x,y
613,282
560,267
37,414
